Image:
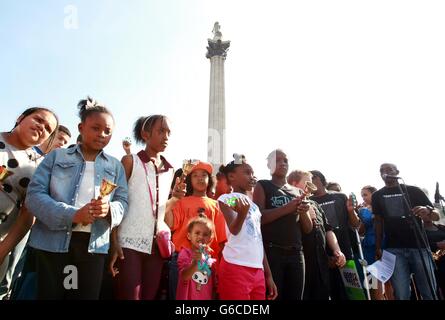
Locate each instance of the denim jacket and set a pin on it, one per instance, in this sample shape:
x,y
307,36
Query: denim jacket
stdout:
x,y
52,194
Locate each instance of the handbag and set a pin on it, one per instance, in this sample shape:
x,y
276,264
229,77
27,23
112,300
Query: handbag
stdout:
x,y
163,237
165,245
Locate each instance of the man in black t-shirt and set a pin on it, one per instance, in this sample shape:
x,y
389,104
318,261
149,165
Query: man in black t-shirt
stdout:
x,y
340,217
393,214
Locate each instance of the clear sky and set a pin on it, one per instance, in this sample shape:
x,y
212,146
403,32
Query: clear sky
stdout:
x,y
341,86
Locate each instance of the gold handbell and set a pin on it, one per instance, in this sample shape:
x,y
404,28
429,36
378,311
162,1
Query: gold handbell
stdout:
x,y
438,254
4,173
187,166
106,187
309,189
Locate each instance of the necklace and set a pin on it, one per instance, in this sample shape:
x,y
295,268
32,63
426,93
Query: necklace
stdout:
x,y
33,155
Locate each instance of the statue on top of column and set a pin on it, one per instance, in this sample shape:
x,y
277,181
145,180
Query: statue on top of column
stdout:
x,y
216,32
217,47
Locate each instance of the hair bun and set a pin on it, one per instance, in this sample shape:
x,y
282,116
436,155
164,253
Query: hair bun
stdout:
x,y
90,103
239,158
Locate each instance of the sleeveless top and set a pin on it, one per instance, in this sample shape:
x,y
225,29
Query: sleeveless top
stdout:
x,y
137,228
245,248
285,231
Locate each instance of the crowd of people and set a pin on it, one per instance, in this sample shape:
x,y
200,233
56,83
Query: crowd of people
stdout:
x,y
77,223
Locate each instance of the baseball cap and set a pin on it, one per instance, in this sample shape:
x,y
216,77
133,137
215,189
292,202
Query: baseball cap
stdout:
x,y
204,166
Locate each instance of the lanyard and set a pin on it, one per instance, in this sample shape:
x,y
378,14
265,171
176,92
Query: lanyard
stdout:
x,y
149,191
153,204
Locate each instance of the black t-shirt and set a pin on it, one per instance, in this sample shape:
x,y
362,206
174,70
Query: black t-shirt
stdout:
x,y
334,205
285,231
314,245
389,204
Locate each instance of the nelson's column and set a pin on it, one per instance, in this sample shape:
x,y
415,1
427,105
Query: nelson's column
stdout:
x,y
217,52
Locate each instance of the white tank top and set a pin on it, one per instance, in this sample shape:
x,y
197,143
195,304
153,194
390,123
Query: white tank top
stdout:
x,y
137,227
245,248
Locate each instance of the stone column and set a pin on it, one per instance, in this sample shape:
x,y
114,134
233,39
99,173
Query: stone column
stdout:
x,y
217,52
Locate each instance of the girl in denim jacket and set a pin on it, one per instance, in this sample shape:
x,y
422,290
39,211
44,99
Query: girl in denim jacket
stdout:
x,y
74,218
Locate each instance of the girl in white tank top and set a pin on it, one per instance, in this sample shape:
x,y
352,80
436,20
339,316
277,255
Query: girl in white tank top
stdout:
x,y
243,253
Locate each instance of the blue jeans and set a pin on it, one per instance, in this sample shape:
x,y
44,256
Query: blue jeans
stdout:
x,y
14,268
408,261
25,286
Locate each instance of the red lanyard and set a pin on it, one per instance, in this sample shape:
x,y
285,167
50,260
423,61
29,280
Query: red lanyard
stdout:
x,y
153,205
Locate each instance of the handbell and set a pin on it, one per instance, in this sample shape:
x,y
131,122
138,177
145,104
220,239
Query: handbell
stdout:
x,y
438,254
309,188
106,187
127,141
4,173
187,167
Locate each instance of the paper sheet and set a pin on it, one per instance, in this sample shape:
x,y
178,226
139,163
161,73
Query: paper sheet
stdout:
x,y
383,269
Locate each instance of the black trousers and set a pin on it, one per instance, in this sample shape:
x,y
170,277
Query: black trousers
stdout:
x,y
287,268
75,275
337,287
316,285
